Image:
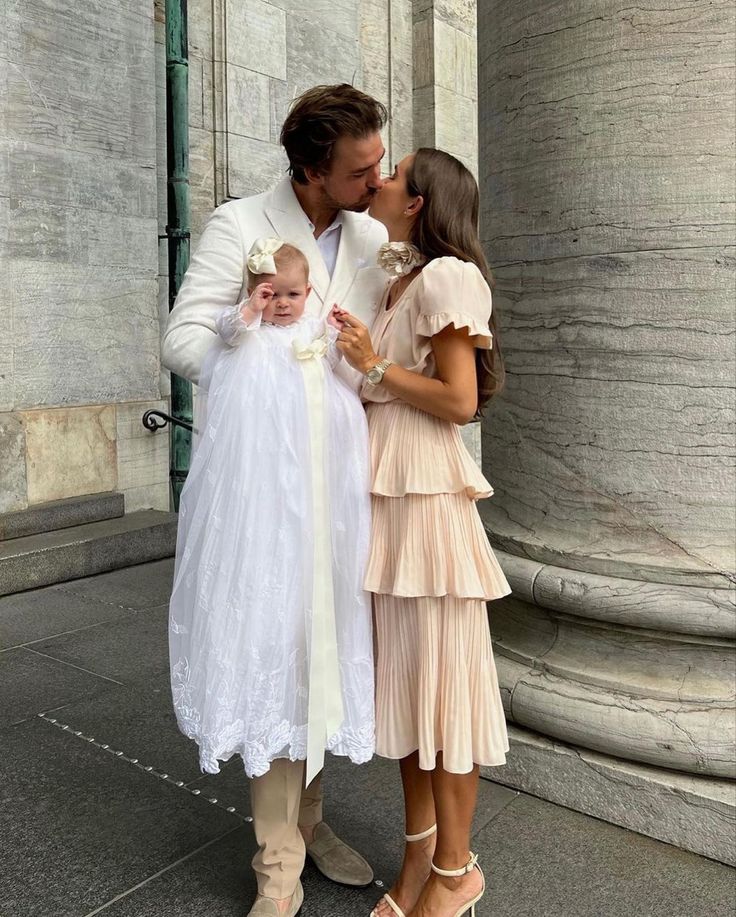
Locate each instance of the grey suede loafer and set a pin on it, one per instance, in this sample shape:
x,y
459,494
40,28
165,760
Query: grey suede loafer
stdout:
x,y
267,907
336,860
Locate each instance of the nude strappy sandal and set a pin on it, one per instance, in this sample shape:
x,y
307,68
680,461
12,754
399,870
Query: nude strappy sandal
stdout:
x,y
409,838
463,871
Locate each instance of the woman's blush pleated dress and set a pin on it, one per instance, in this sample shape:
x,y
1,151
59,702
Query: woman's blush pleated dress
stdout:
x,y
430,567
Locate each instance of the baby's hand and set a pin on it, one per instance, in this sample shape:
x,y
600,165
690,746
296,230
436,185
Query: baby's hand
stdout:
x,y
259,299
335,317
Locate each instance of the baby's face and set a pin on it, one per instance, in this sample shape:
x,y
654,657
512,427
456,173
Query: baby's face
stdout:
x,y
290,292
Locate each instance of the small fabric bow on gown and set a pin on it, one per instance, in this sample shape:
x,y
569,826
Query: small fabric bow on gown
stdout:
x,y
315,349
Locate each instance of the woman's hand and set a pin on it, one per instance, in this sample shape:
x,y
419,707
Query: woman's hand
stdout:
x,y
354,341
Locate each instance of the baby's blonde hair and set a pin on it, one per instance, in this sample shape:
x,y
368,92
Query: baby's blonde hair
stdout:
x,y
287,254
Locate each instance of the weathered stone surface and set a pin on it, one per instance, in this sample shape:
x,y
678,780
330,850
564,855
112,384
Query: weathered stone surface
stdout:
x,y
143,458
256,36
606,219
83,332
201,178
316,56
471,434
708,612
604,163
79,226
13,490
627,692
280,97
253,165
386,53
445,88
70,451
248,103
84,550
695,813
61,514
68,104
337,16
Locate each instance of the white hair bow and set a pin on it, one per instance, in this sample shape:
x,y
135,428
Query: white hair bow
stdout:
x,y
260,257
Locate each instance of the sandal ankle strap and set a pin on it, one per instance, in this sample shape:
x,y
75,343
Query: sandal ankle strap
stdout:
x,y
451,873
421,836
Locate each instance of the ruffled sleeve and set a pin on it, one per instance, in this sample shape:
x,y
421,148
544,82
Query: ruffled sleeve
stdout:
x,y
454,292
230,324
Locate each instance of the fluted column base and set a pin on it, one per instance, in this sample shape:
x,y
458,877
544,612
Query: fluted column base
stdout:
x,y
694,813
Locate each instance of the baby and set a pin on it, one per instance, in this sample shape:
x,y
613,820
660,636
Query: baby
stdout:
x,y
278,284
270,629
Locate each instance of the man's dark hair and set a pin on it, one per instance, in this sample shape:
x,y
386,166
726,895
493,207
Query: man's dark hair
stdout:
x,y
317,120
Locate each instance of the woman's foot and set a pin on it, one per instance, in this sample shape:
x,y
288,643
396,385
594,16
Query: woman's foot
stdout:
x,y
444,896
414,872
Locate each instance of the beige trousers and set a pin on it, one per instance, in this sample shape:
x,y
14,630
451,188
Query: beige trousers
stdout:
x,y
280,804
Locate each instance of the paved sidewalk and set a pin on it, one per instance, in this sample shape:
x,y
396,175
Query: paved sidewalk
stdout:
x,y
104,810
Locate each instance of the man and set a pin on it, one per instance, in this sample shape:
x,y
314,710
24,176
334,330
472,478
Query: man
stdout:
x,y
333,143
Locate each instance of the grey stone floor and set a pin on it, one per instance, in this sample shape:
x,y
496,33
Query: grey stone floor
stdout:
x,y
99,812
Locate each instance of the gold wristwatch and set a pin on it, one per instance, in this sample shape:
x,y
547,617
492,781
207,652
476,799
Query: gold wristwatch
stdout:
x,y
376,373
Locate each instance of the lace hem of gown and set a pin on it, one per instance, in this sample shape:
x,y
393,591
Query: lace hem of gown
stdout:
x,y
279,741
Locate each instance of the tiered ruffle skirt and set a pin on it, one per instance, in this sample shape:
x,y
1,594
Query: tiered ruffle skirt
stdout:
x,y
432,570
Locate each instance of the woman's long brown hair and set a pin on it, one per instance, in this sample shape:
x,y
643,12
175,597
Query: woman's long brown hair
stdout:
x,y
447,224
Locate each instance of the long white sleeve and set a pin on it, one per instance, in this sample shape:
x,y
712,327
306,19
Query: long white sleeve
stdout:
x,y
212,283
230,324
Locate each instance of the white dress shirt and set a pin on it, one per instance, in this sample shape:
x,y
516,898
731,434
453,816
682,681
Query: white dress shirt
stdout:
x,y
329,242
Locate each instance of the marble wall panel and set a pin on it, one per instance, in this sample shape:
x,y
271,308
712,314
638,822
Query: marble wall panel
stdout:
x,y
70,451
280,97
43,230
201,179
13,489
338,16
401,136
456,127
445,93
143,458
315,56
386,54
83,333
253,165
248,103
95,96
255,36
86,181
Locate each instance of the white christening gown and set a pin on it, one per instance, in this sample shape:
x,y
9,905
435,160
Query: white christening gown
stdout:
x,y
264,538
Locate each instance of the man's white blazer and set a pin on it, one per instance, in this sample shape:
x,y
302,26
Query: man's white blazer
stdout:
x,y
217,275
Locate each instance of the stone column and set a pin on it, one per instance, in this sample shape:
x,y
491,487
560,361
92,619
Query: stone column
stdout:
x,y
607,177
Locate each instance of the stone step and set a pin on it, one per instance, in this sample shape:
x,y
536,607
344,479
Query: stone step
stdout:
x,y
83,550
61,514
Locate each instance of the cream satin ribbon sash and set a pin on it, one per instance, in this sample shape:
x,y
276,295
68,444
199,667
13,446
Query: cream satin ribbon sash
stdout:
x,y
325,712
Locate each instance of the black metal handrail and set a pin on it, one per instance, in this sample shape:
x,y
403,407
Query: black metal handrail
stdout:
x,y
157,420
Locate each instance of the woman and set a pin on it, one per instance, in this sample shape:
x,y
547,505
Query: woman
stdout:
x,y
431,364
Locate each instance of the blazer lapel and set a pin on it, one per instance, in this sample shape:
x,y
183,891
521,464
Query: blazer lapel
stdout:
x,y
353,237
290,223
